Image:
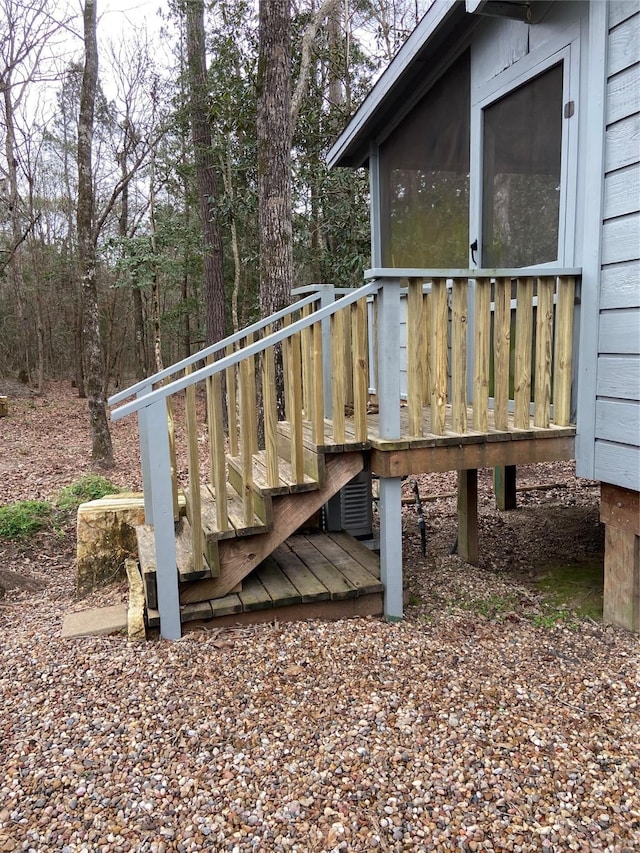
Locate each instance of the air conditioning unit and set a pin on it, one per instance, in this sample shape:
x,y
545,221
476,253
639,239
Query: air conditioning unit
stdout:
x,y
351,508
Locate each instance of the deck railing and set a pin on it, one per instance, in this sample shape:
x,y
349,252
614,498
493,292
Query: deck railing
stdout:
x,y
460,352
485,342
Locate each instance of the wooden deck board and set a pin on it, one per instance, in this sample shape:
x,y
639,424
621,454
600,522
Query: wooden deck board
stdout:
x,y
359,552
355,574
313,575
430,439
209,517
225,606
325,571
277,584
235,512
307,584
253,595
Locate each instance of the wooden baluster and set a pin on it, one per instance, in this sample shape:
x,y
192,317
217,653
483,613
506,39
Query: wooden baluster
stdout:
x,y
426,336
247,409
232,405
360,365
347,359
318,386
415,356
439,378
522,369
253,411
459,324
544,344
217,459
563,351
286,322
337,379
482,337
295,409
195,504
376,347
270,408
307,358
171,431
501,352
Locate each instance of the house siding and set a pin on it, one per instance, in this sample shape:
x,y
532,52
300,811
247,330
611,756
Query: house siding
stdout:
x,y
617,423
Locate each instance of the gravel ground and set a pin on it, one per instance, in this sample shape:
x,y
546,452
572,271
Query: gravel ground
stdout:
x,y
477,724
459,732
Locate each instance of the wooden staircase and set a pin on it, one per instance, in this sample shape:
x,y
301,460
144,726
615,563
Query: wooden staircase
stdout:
x,y
332,355
230,555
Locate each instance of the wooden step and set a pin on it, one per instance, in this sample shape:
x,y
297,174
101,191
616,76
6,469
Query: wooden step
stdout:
x,y
238,556
286,484
315,576
184,560
236,525
313,461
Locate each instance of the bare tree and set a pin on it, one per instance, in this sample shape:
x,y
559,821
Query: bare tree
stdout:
x,y
27,44
101,447
206,178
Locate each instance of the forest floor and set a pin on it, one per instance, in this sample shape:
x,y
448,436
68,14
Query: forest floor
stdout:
x,y
501,714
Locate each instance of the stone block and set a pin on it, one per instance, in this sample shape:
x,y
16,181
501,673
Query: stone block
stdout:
x,y
105,539
135,613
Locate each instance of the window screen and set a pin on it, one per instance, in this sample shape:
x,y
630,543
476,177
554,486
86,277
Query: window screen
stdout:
x,y
521,174
424,172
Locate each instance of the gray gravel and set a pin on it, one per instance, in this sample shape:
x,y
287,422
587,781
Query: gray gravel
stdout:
x,y
455,734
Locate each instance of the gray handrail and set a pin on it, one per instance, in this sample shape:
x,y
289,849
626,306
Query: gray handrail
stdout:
x,y
210,350
417,272
248,351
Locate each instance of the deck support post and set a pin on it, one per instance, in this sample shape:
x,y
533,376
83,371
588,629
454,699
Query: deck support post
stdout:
x,y
620,512
504,487
143,438
468,515
164,527
389,425
391,546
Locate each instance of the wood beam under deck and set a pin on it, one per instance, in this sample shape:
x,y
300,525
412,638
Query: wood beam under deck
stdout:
x,y
459,453
452,451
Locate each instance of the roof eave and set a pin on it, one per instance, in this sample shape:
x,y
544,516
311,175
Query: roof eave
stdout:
x,y
351,147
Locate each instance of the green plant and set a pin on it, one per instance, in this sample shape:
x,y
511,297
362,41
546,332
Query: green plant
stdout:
x,y
491,607
552,616
88,488
23,518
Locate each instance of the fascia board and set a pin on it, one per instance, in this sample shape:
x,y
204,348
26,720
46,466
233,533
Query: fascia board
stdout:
x,y
416,42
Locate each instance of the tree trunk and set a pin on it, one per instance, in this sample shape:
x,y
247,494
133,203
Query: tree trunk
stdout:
x,y
214,295
274,163
15,259
101,447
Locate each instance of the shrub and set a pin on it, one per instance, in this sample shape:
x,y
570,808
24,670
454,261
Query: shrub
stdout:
x,y
23,518
88,488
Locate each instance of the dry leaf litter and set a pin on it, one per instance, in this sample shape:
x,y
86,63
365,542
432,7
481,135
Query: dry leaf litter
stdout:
x,y
467,727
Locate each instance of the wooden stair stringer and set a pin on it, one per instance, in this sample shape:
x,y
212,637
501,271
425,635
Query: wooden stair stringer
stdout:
x,y
239,556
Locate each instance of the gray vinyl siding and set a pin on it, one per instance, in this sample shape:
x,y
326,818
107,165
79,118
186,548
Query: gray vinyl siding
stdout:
x,y
617,422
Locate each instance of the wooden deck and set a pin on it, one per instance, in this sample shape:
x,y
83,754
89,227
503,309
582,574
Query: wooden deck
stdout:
x,y
315,576
452,451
